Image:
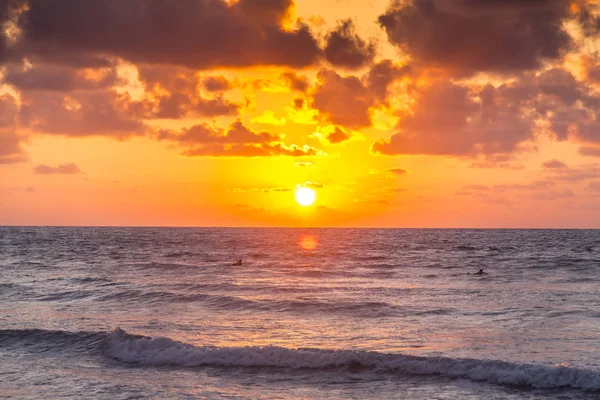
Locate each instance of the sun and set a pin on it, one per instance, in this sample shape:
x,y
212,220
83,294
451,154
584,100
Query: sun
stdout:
x,y
305,196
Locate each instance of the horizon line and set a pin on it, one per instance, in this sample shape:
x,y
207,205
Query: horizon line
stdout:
x,y
290,227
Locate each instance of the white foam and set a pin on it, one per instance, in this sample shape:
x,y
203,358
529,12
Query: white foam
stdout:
x,y
164,351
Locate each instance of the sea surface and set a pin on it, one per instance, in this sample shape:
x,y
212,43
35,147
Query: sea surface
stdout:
x,y
161,313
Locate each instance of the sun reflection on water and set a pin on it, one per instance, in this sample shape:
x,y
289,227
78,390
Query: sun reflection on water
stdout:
x,y
308,241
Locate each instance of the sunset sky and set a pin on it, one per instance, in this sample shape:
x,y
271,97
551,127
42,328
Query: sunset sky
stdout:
x,y
423,113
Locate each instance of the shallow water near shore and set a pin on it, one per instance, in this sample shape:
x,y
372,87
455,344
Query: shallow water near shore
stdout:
x,y
311,313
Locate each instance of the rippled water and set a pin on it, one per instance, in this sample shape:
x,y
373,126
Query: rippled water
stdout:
x,y
322,313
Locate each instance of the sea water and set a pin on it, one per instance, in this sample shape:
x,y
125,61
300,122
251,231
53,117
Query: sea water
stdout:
x,y
123,313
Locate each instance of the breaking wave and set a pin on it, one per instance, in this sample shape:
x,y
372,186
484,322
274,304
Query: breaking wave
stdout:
x,y
161,351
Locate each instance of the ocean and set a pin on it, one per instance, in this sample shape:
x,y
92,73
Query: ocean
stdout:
x,y
162,313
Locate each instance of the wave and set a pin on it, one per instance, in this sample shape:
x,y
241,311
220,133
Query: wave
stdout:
x,y
161,351
147,351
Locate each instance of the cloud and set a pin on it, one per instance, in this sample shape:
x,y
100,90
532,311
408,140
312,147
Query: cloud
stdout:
x,y
468,36
295,82
594,187
346,49
199,34
59,78
10,141
311,185
304,164
235,141
65,169
216,84
382,75
175,92
252,150
276,189
268,118
343,100
87,113
237,133
553,195
338,136
396,171
554,164
577,174
448,120
589,151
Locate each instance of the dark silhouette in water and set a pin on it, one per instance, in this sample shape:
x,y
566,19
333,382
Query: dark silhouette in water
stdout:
x,y
480,272
237,263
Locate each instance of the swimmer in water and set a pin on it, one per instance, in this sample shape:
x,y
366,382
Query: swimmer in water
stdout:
x,y
238,263
480,272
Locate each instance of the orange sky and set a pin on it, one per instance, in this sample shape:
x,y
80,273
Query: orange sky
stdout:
x,y
436,113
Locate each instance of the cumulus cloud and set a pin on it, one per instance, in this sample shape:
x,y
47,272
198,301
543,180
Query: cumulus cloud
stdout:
x,y
175,92
468,36
343,100
448,120
382,75
347,100
198,34
65,169
252,150
346,49
87,113
339,135
236,141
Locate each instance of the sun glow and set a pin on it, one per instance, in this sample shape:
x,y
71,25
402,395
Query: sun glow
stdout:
x,y
305,196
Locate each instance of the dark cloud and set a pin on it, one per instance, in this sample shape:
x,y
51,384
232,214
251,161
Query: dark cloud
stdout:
x,y
87,113
469,35
237,133
174,93
198,34
58,78
343,100
338,136
66,169
236,141
252,150
298,103
554,164
346,49
447,120
295,82
216,84
382,75
182,105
